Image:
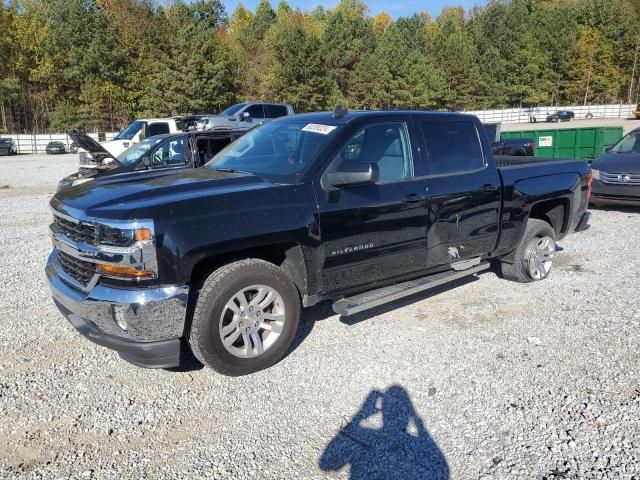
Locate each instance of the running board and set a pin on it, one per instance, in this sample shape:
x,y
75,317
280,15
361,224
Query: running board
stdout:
x,y
364,301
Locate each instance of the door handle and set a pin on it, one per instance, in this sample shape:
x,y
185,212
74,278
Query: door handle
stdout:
x,y
412,198
487,188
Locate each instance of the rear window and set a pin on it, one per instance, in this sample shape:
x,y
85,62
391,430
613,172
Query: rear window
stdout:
x,y
274,111
453,147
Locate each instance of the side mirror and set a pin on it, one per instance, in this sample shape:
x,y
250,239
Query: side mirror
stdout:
x,y
354,173
244,116
608,149
146,161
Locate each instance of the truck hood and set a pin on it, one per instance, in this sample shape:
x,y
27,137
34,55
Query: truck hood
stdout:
x,y
124,196
103,158
618,163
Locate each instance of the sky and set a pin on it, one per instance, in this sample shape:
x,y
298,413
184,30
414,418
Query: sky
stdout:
x,y
394,8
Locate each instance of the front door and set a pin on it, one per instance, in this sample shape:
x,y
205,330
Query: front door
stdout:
x,y
464,192
375,231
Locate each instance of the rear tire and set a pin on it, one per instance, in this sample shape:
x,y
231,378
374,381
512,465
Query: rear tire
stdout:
x,y
534,256
245,318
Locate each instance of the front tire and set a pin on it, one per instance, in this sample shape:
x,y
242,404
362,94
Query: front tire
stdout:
x,y
245,318
534,256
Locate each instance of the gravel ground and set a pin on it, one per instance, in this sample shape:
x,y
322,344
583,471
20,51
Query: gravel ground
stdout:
x,y
491,379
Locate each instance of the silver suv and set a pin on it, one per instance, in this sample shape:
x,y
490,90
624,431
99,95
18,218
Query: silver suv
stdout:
x,y
243,116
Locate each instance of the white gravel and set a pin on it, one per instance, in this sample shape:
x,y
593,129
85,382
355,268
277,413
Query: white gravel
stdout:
x,y
491,379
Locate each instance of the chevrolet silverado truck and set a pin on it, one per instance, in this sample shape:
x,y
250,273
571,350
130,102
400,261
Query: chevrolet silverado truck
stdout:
x,y
355,208
166,152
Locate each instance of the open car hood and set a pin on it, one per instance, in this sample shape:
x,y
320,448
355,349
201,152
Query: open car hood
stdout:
x,y
103,158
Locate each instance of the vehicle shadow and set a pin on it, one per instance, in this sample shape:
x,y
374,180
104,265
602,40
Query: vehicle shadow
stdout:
x,y
386,439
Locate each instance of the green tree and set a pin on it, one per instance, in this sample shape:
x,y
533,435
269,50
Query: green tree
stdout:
x,y
348,37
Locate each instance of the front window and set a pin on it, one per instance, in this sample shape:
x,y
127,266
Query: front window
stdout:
x,y
233,109
129,131
170,153
386,145
134,153
5,141
630,143
280,150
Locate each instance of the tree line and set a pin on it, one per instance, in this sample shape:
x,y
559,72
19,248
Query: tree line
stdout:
x,y
95,64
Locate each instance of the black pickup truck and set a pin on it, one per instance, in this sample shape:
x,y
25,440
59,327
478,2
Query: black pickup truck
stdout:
x,y
358,208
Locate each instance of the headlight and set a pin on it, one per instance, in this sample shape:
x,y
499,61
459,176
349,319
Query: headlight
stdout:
x,y
126,250
595,174
124,237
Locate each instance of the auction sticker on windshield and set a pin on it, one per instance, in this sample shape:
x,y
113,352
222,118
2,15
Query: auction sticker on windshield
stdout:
x,y
318,128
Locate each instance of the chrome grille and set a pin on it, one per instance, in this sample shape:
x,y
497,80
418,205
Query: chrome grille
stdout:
x,y
81,271
76,231
620,178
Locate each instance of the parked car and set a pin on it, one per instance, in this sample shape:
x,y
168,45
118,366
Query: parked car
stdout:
x,y
616,173
245,115
516,147
151,156
8,146
356,208
55,147
636,112
560,116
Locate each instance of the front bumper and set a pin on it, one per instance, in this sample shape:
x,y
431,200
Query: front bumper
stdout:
x,y
155,318
606,193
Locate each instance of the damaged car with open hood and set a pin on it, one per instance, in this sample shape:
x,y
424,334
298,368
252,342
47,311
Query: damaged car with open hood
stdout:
x,y
160,153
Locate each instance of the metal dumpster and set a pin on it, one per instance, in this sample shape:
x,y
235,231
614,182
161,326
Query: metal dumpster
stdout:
x,y
586,142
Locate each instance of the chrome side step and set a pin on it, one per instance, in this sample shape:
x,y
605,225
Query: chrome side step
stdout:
x,y
364,301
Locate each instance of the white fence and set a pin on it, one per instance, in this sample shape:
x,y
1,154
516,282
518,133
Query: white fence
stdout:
x,y
37,143
522,115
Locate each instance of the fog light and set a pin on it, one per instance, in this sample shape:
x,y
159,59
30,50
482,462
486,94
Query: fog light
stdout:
x,y
118,316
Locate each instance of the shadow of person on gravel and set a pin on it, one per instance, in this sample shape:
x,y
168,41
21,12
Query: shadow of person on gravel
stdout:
x,y
386,439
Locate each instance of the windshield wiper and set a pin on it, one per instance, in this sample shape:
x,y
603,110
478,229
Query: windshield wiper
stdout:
x,y
231,170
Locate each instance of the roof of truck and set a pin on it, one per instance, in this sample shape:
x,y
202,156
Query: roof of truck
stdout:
x,y
352,115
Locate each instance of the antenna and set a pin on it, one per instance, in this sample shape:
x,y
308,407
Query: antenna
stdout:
x,y
339,111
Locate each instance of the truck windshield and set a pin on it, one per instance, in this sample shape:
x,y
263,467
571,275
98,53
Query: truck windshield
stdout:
x,y
630,143
280,150
129,131
5,141
232,110
134,153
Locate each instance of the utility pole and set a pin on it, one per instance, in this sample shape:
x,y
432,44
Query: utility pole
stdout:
x,y
586,92
633,71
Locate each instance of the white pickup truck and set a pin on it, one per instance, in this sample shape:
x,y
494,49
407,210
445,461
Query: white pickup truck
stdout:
x,y
133,133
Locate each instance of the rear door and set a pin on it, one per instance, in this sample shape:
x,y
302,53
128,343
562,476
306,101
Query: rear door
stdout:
x,y
206,146
463,190
157,128
256,113
375,231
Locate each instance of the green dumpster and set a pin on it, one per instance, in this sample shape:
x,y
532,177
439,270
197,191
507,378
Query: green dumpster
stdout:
x,y
587,142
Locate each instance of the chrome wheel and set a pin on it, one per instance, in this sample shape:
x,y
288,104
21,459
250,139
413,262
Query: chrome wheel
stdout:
x,y
538,257
252,321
